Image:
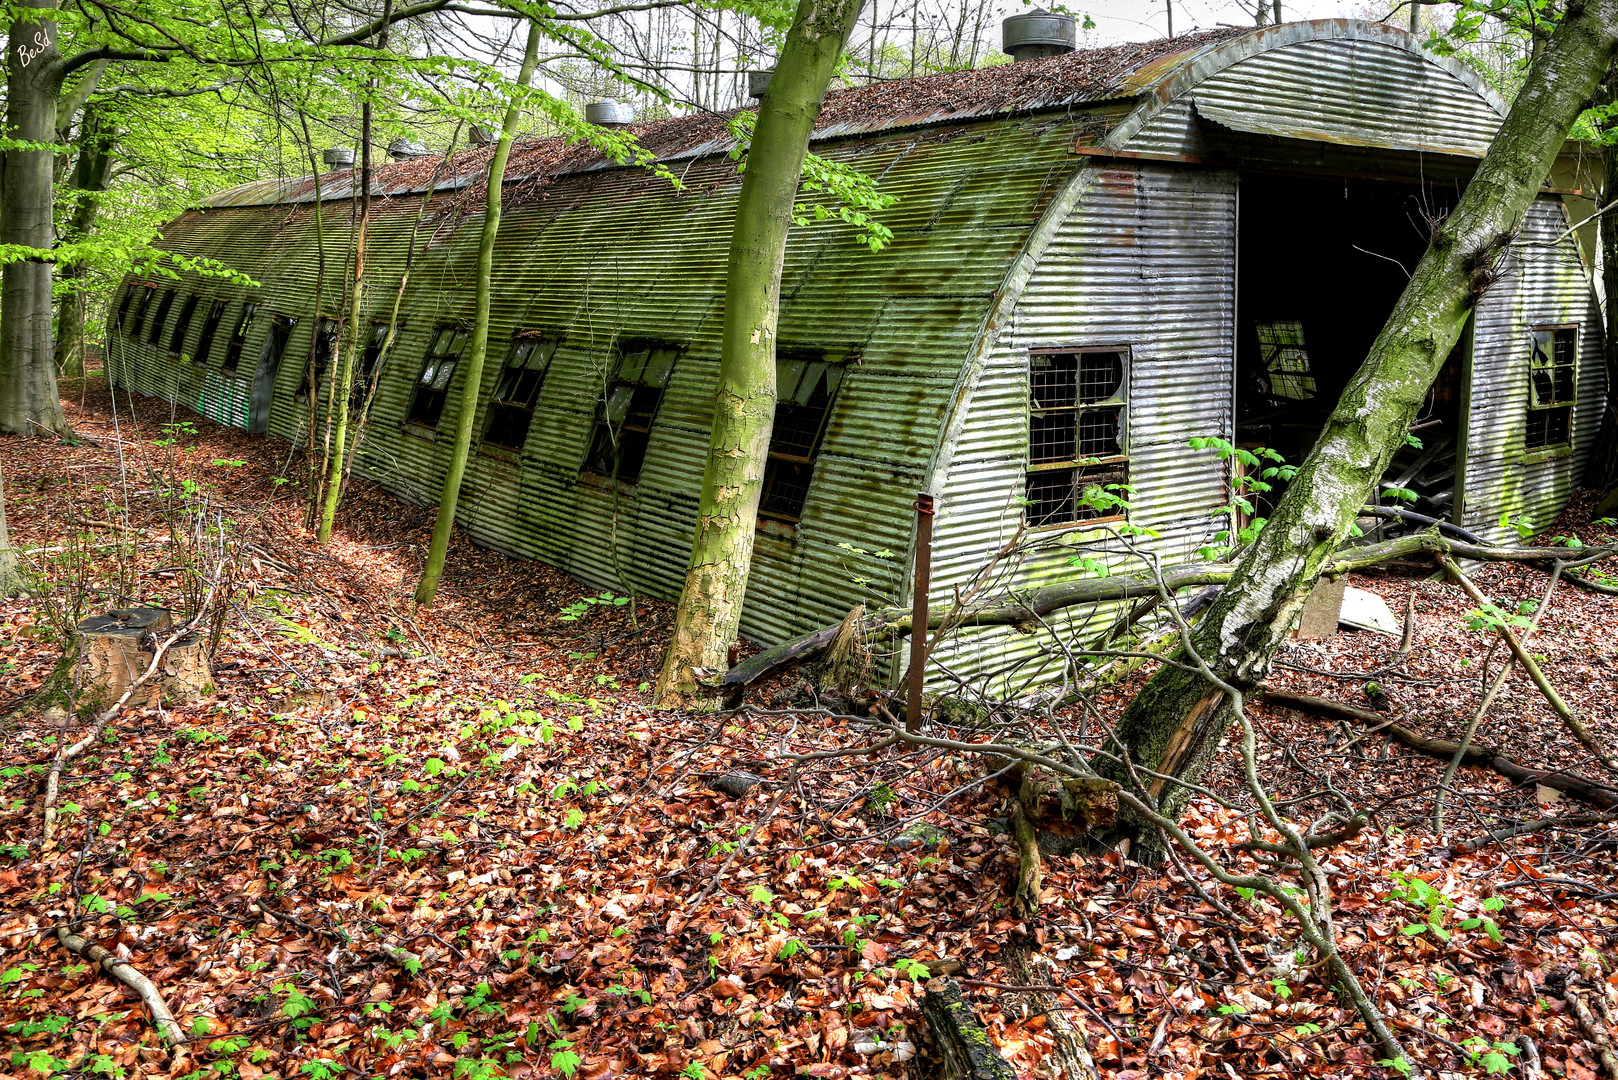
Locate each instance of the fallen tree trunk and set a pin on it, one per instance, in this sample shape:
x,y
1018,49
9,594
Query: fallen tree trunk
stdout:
x,y
1580,787
967,1052
1020,609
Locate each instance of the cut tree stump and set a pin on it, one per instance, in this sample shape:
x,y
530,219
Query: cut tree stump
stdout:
x,y
964,1045
115,649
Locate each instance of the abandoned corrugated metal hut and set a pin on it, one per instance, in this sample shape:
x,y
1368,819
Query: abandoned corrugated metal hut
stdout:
x,y
1097,256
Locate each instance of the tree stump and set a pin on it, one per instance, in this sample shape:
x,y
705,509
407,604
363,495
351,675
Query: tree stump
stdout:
x,y
115,650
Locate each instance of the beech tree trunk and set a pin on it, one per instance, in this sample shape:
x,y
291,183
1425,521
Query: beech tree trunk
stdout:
x,y
710,607
11,583
1603,473
478,347
1177,720
90,173
28,399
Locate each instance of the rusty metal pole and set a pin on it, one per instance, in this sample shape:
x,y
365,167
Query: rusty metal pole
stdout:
x,y
918,610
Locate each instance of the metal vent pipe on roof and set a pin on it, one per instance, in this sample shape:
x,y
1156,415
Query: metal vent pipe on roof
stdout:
x,y
758,82
1037,34
338,157
404,150
609,113
480,135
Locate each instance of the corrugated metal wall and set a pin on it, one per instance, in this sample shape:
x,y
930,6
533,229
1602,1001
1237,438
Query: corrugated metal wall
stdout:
x,y
1146,260
1543,282
619,253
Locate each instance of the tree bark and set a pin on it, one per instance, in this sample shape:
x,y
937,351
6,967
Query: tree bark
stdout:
x,y
11,581
478,348
1177,720
710,608
1603,474
90,174
28,400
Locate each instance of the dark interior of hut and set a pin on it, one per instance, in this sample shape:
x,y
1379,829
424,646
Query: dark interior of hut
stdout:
x,y
1320,264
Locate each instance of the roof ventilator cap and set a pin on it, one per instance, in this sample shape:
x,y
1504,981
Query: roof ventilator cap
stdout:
x,y
609,113
758,82
1037,34
338,157
480,135
404,150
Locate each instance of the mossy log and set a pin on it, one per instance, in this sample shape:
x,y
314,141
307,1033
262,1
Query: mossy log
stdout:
x,y
962,1042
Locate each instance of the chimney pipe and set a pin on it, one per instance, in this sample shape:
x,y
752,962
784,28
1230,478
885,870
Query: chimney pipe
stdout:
x,y
1038,34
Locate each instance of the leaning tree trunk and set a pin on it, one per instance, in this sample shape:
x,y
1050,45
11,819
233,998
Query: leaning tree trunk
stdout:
x,y
710,607
28,399
1174,724
1603,472
478,347
89,180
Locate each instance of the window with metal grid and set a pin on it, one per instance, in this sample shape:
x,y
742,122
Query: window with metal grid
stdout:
x,y
1281,347
326,334
1076,442
210,330
628,408
432,385
370,360
238,339
1552,387
511,408
182,324
805,387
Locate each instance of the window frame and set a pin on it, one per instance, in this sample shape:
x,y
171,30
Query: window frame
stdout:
x,y
1079,463
834,370
120,320
533,341
148,290
237,343
327,329
459,335
182,324
210,332
606,442
154,334
371,359
1565,406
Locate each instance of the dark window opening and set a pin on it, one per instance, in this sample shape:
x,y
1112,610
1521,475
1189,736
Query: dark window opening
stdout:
x,y
1552,387
123,306
238,339
210,328
432,386
370,362
627,409
805,387
182,324
1076,445
511,409
155,334
132,328
325,346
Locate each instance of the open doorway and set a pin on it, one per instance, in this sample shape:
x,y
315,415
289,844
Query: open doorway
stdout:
x,y
1320,264
269,366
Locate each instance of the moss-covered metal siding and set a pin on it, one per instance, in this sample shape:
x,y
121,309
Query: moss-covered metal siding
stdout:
x,y
619,254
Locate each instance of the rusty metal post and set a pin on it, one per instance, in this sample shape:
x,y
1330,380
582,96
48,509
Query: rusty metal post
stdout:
x,y
918,610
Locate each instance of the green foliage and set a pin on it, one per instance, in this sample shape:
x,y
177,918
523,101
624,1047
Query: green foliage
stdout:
x,y
575,611
1259,467
852,195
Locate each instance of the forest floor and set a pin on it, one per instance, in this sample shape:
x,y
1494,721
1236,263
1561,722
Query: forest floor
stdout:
x,y
484,784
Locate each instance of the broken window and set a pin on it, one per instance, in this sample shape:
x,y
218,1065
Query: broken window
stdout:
x,y
805,386
370,360
182,324
123,306
511,409
139,318
627,408
155,334
432,387
1286,358
238,339
325,347
210,328
1076,438
1552,385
